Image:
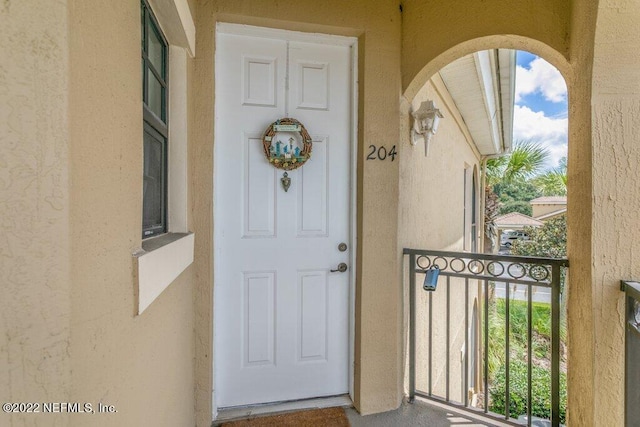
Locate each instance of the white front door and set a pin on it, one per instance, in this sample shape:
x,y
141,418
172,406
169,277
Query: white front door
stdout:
x,y
281,316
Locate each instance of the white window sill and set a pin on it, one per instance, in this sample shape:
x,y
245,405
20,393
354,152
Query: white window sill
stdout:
x,y
159,263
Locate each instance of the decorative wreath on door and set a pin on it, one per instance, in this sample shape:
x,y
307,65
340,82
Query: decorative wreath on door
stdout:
x,y
287,144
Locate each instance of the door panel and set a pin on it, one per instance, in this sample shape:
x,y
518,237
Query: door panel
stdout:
x,y
259,326
258,197
259,81
281,316
314,315
312,192
313,91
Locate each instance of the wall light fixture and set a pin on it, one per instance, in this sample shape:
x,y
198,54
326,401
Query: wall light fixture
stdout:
x,y
425,124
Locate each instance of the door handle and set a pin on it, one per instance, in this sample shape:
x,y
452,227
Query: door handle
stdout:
x,y
342,267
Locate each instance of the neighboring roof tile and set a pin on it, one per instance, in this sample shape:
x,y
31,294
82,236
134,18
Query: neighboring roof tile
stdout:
x,y
516,219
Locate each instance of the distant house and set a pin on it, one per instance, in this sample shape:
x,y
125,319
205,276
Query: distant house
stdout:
x,y
548,207
544,208
514,221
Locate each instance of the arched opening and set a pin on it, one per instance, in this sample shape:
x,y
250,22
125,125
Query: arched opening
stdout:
x,y
475,126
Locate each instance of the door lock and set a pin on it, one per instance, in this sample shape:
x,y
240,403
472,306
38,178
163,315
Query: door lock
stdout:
x,y
342,267
342,247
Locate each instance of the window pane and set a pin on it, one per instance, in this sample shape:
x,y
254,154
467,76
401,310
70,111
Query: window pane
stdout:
x,y
154,95
142,20
156,49
153,190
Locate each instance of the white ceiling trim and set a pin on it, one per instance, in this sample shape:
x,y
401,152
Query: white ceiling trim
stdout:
x,y
452,111
482,86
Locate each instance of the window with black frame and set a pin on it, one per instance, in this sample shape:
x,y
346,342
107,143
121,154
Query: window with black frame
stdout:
x,y
154,95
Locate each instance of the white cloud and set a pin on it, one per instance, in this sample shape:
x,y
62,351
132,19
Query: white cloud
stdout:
x,y
556,152
548,131
543,78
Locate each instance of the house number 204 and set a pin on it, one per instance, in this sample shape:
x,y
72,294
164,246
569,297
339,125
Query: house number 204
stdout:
x,y
381,153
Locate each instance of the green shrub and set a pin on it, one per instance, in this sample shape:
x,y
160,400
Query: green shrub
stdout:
x,y
540,321
541,326
540,391
549,240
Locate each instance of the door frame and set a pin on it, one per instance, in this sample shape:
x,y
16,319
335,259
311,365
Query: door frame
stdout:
x,y
329,39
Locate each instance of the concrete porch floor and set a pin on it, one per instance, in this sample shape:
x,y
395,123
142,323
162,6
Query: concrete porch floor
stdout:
x,y
420,413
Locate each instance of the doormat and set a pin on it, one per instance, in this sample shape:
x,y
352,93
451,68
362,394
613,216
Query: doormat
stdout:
x,y
327,417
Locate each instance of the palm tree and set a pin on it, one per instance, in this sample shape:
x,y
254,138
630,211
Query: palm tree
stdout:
x,y
525,160
554,181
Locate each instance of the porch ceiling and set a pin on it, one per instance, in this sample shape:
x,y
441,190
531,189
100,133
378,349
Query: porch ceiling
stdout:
x,y
483,87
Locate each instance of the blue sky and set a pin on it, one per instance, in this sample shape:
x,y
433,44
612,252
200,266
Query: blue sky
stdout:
x,y
540,112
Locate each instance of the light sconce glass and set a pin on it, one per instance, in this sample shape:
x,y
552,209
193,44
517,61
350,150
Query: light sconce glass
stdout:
x,y
425,124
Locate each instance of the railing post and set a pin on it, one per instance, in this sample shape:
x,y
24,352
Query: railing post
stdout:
x,y
529,353
507,313
466,342
555,345
486,347
448,339
412,328
430,343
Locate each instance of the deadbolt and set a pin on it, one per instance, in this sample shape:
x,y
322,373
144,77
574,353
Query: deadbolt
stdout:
x,y
342,247
342,267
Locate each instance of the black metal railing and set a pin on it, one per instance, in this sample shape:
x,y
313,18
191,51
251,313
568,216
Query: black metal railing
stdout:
x,y
466,275
632,352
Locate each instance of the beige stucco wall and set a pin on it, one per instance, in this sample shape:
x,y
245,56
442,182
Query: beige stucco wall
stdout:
x,y
431,30
580,336
34,206
70,203
143,365
457,335
431,202
431,216
616,196
543,209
